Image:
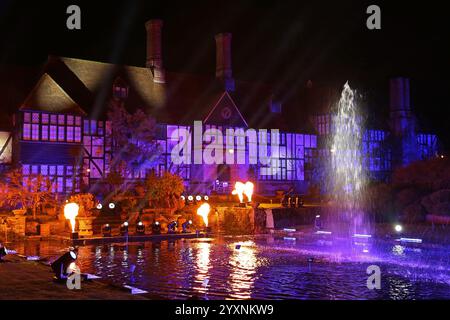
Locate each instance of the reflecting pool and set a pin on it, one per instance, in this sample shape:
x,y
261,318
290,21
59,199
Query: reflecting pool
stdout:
x,y
265,267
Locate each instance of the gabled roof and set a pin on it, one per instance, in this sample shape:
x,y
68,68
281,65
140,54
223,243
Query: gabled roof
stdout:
x,y
48,96
225,112
181,100
98,78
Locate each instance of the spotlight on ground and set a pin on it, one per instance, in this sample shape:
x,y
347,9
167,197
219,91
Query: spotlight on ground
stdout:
x,y
99,206
140,228
186,225
398,228
198,198
106,230
190,199
206,198
410,240
156,227
3,251
60,266
111,205
172,227
124,229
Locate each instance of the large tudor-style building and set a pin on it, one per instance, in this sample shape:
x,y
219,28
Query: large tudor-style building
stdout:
x,y
54,121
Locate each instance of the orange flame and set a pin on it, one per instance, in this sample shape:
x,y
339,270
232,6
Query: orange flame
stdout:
x,y
239,188
203,211
70,213
248,190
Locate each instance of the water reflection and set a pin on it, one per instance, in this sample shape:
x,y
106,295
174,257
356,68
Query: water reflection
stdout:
x,y
243,264
262,268
399,289
203,265
398,250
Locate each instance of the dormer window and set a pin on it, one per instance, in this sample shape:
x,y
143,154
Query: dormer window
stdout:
x,y
120,89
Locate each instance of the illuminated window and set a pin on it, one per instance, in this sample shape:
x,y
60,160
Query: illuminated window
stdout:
x,y
27,117
44,170
35,118
35,132
53,132
93,127
77,134
70,134
44,118
120,89
27,131
100,128
64,179
86,127
25,169
60,184
61,133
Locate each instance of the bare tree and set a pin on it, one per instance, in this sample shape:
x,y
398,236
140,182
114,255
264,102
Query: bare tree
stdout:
x,y
134,140
29,192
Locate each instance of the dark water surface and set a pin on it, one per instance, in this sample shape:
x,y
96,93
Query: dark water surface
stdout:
x,y
264,267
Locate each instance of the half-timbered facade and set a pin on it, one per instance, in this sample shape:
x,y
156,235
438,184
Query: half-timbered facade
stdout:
x,y
57,123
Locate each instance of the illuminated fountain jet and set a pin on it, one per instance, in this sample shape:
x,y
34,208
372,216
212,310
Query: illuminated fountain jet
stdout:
x,y
347,177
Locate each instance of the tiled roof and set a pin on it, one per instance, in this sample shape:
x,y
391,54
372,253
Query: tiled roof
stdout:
x,y
181,100
48,96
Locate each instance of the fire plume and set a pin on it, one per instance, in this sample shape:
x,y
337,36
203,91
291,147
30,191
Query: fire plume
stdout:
x,y
239,188
203,211
248,190
70,213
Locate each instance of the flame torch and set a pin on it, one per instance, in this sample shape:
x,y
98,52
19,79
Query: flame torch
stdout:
x,y
248,190
239,188
203,211
70,213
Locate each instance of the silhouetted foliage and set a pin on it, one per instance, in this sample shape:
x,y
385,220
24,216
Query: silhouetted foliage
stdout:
x,y
164,191
17,191
417,190
134,142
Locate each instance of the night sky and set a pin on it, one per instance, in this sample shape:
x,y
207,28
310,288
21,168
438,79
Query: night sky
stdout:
x,y
281,42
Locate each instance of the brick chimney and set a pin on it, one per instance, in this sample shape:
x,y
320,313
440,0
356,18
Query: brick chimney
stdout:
x,y
223,61
402,123
154,50
401,116
399,94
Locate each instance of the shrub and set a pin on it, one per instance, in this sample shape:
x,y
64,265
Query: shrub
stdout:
x,y
437,203
85,201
